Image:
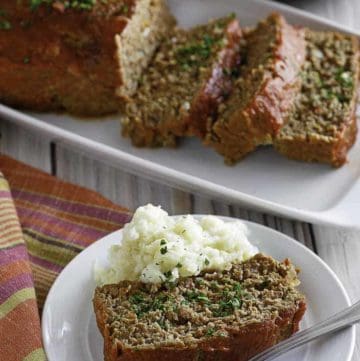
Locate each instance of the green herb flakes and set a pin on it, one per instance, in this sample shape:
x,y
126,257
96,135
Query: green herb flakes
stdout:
x,y
5,24
196,52
68,4
197,297
142,305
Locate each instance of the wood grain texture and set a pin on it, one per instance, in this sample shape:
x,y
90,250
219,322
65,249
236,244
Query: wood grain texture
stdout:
x,y
341,251
345,12
25,146
132,191
338,248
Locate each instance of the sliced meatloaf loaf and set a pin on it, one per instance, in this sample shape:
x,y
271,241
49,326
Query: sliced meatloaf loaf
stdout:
x,y
322,126
184,84
265,91
229,315
81,56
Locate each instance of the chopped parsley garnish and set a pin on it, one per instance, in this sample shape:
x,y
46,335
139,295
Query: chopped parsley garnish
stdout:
x,y
197,297
196,52
210,331
179,265
142,305
68,4
136,298
344,78
163,250
238,289
207,262
232,300
162,242
199,281
264,285
227,308
125,9
5,24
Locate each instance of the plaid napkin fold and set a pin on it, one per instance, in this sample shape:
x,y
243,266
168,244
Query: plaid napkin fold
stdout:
x,y
44,223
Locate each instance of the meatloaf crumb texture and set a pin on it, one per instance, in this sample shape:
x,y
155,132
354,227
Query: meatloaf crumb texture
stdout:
x,y
323,126
229,315
84,61
265,91
184,84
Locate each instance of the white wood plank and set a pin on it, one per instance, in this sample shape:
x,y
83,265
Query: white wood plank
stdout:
x,y
341,251
338,248
25,146
117,185
345,12
131,191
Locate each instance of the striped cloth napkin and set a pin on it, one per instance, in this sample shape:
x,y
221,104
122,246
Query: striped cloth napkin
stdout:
x,y
44,223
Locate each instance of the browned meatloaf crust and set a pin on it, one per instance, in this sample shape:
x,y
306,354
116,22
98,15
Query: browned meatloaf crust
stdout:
x,y
184,84
84,58
265,91
323,126
229,315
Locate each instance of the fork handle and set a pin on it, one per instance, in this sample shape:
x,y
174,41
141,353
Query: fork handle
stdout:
x,y
347,317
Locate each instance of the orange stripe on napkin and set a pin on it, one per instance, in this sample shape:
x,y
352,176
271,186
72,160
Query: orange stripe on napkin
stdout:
x,y
57,221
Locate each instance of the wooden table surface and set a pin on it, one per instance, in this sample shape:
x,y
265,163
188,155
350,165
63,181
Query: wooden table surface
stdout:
x,y
338,248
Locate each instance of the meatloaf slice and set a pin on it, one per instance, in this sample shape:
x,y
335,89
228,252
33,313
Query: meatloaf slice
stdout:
x,y
265,91
81,56
323,126
184,84
229,315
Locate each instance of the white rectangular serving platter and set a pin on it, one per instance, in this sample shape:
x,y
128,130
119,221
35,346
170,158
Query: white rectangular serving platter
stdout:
x,y
264,181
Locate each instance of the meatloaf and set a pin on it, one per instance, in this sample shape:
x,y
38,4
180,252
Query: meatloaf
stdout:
x,y
81,56
184,84
322,126
229,315
265,91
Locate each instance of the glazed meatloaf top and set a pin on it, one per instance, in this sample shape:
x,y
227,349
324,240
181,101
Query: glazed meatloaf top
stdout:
x,y
325,109
83,56
85,27
184,83
264,93
197,310
274,54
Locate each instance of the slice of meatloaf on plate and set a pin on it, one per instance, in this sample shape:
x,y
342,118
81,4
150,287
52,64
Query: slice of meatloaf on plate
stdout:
x,y
265,91
228,315
323,125
184,84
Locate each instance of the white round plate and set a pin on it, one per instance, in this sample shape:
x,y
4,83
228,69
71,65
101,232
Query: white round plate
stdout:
x,y
69,327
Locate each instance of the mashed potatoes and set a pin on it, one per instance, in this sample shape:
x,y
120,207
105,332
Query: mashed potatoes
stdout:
x,y
156,247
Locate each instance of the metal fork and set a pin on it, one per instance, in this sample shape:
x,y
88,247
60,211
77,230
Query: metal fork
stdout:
x,y
345,318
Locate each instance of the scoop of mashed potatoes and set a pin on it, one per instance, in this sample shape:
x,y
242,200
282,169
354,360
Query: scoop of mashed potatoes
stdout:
x,y
156,247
